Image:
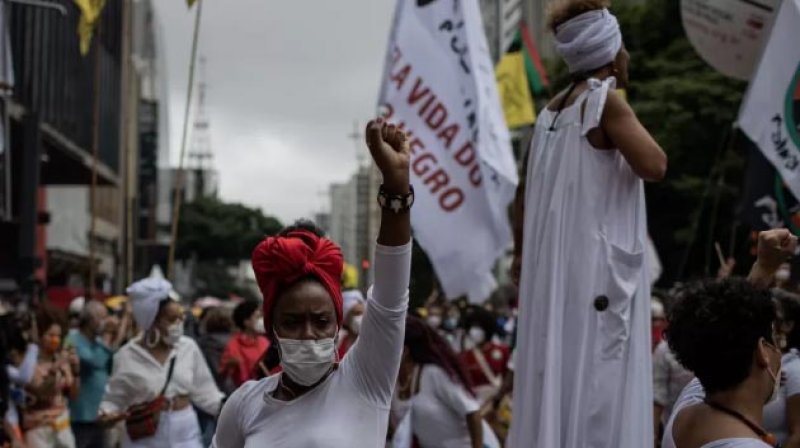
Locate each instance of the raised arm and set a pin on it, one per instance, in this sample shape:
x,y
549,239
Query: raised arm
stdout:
x,y
375,358
389,148
775,247
643,154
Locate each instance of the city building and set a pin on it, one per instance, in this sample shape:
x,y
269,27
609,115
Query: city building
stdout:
x,y
49,109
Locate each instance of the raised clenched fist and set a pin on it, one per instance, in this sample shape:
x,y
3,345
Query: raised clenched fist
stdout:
x,y
389,148
775,247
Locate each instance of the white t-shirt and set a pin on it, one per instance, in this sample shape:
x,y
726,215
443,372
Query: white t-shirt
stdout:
x,y
439,411
775,412
694,394
350,409
669,378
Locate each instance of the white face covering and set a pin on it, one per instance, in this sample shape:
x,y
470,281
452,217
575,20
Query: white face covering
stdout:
x,y
355,324
435,321
259,327
174,333
477,335
783,274
307,361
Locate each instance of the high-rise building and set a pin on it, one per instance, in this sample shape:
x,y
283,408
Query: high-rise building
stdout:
x,y
343,219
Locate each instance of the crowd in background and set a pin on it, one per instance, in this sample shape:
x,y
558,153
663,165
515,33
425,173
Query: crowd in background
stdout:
x,y
458,362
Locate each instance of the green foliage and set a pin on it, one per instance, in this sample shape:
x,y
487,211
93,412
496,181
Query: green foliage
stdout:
x,y
689,108
212,230
212,278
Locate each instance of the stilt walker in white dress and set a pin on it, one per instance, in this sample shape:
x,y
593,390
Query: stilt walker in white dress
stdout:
x,y
583,369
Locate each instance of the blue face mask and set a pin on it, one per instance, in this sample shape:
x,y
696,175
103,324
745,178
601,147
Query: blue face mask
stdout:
x,y
450,323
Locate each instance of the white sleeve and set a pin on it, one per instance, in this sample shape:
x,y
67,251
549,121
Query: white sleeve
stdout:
x,y
205,393
792,375
119,389
23,374
453,394
229,432
374,360
12,415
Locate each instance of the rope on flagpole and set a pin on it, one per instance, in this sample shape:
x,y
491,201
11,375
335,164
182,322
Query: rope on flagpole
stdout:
x,y
179,177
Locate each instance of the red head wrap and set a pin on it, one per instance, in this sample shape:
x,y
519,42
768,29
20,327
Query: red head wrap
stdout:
x,y
283,260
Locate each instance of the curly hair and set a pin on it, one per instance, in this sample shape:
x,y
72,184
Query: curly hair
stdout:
x,y
564,10
426,346
715,327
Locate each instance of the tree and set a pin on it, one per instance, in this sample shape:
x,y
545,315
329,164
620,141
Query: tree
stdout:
x,y
212,230
217,235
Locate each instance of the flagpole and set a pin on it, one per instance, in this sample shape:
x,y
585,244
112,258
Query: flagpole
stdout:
x,y
179,177
95,155
127,106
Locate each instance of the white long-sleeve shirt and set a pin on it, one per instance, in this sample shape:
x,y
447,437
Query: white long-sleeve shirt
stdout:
x,y
350,409
137,377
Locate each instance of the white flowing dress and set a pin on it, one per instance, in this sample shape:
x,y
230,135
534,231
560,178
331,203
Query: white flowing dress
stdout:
x,y
583,365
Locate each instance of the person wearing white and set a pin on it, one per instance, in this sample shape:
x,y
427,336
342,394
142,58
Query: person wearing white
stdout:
x,y
728,332
583,362
774,412
432,402
316,402
782,416
140,371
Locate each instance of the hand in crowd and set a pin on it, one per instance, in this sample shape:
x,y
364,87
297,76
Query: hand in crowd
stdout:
x,y
726,270
775,247
111,418
71,355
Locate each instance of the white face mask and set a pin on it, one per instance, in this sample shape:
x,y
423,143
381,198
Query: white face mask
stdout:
x,y
477,335
307,361
355,324
259,327
174,333
435,321
783,274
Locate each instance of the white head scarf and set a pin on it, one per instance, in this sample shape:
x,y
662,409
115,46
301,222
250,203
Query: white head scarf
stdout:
x,y
350,298
589,41
145,295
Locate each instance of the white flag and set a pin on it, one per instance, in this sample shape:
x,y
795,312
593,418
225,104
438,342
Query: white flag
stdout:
x,y
439,84
770,113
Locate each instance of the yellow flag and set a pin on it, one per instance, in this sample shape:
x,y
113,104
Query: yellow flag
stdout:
x,y
512,84
90,15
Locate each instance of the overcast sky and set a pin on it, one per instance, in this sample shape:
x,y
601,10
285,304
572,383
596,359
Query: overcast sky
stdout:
x,y
287,78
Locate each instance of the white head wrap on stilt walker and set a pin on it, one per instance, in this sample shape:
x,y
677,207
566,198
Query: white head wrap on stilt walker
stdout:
x,y
145,296
589,41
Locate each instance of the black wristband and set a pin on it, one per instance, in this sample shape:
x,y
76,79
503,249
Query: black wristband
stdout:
x,y
396,203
